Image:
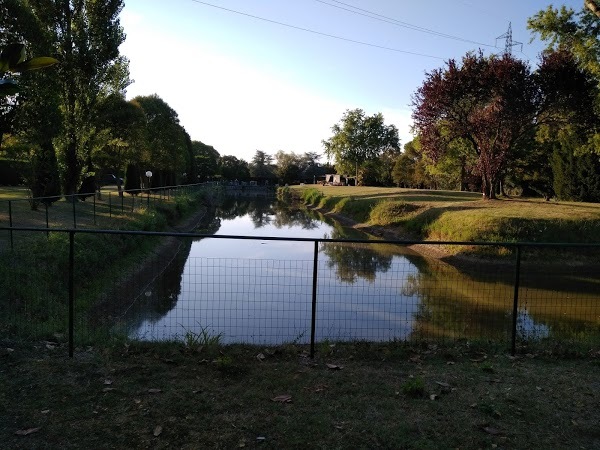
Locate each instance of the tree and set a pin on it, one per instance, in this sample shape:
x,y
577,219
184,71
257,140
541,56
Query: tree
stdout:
x,y
579,32
287,167
85,36
233,168
120,135
489,102
206,160
310,168
166,150
261,165
358,138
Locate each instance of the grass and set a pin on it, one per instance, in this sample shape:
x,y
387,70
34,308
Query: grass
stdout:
x,y
371,396
34,276
460,216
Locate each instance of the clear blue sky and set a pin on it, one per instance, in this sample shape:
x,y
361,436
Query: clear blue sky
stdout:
x,y
243,84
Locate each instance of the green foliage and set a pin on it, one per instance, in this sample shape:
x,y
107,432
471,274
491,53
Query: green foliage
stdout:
x,y
45,181
390,212
359,138
311,196
284,194
414,387
202,340
12,59
13,172
132,179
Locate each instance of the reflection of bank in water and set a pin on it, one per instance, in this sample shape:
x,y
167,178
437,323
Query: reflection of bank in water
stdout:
x,y
478,303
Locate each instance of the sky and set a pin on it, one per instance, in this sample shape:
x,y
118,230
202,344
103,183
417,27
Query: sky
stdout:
x,y
270,75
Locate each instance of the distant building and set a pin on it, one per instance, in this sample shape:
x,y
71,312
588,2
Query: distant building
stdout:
x,y
332,179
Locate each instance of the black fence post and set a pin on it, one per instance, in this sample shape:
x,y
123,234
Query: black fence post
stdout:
x,y
74,211
109,204
313,321
94,208
515,313
71,289
10,223
47,221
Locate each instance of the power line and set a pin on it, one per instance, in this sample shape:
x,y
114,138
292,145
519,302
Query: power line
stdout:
x,y
396,22
308,30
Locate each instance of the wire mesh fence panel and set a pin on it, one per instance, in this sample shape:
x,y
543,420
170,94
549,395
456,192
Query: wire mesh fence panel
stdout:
x,y
34,288
397,295
153,286
238,300
559,299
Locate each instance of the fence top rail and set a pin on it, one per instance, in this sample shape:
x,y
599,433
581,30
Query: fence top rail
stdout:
x,y
404,242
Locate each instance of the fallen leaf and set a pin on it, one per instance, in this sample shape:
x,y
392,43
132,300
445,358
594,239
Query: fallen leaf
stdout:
x,y
434,397
442,384
10,350
154,391
450,363
242,444
491,430
157,431
137,401
27,431
45,411
108,382
108,389
50,346
260,357
283,398
261,438
334,367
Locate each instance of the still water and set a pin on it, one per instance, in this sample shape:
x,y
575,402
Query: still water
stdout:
x,y
260,291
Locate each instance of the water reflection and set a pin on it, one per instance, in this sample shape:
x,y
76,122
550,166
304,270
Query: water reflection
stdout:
x,y
260,291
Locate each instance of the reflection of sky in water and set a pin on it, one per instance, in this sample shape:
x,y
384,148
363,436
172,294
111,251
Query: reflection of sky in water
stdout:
x,y
261,292
528,329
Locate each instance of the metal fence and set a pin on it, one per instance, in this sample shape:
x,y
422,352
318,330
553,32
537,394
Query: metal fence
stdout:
x,y
85,210
314,290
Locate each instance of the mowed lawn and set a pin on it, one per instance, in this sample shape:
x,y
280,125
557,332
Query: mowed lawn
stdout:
x,y
350,396
464,216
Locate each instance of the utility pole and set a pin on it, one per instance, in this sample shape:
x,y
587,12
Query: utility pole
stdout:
x,y
509,43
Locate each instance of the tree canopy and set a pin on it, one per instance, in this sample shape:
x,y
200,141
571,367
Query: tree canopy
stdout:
x,y
358,138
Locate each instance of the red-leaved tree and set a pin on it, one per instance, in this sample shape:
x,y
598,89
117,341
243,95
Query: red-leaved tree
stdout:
x,y
490,102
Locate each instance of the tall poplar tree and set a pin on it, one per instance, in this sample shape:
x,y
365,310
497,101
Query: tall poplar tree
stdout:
x,y
86,35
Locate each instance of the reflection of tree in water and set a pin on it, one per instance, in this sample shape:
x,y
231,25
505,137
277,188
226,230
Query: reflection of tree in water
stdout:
x,y
265,211
288,217
352,261
454,304
162,294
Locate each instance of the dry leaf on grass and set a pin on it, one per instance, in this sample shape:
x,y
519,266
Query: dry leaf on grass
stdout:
x,y
334,367
442,384
108,382
283,398
260,357
157,431
27,431
491,430
154,391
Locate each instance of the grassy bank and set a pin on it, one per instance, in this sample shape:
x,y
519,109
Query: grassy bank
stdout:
x,y
349,396
34,276
459,216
